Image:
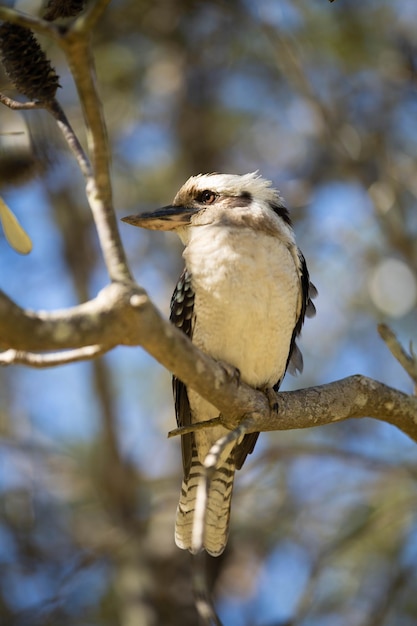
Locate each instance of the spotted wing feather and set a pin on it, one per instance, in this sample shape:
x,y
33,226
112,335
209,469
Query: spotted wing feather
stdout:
x,y
182,316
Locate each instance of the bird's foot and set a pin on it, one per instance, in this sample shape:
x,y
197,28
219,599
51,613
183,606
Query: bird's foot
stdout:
x,y
233,373
272,398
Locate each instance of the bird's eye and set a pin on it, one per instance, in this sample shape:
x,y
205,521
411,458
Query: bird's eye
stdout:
x,y
207,196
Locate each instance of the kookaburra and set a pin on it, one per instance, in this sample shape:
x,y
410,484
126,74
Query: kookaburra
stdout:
x,y
242,299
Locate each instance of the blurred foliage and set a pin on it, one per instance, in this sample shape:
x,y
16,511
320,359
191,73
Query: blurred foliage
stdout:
x,y
321,98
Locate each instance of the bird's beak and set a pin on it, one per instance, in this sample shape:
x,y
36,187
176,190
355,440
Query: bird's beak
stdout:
x,y
167,218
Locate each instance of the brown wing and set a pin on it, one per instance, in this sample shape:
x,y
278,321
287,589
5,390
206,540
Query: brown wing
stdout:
x,y
308,292
182,316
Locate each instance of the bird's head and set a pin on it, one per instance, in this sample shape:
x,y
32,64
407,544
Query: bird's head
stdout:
x,y
222,198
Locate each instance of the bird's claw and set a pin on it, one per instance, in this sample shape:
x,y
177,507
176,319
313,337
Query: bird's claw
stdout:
x,y
272,399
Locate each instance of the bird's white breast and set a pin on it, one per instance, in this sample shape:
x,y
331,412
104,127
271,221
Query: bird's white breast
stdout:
x,y
247,295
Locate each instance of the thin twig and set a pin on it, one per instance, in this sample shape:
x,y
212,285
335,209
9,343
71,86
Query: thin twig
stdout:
x,y
19,357
184,430
77,48
29,21
20,106
209,467
72,140
204,602
407,361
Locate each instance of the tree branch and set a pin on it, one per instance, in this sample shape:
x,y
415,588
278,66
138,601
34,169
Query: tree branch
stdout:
x,y
15,105
76,44
77,48
407,361
54,108
124,315
210,464
41,361
184,430
29,21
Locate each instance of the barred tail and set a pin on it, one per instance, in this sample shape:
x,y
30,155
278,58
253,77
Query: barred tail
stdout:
x,y
218,507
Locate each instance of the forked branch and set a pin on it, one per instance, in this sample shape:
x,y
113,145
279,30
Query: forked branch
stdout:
x,y
75,40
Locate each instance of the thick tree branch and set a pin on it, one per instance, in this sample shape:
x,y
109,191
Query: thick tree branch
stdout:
x,y
124,315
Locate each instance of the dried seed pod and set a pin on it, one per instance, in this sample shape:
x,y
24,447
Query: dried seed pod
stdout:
x,y
26,64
